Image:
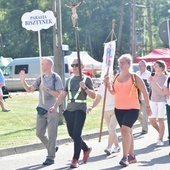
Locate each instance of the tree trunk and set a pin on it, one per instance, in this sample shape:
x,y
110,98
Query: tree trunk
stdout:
x,y
57,45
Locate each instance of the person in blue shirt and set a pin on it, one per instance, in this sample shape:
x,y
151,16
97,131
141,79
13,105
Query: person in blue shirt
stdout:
x,y
2,83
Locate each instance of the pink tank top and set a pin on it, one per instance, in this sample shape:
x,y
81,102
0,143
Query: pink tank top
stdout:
x,y
126,95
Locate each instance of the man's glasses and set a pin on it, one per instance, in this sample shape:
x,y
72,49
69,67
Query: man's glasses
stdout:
x,y
76,65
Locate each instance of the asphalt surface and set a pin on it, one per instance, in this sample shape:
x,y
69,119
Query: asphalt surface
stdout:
x,y
148,155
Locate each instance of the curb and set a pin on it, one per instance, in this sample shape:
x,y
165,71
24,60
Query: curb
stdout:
x,y
39,146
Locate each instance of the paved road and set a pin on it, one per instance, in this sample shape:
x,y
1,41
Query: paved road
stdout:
x,y
148,155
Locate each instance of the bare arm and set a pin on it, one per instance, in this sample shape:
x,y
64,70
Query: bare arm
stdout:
x,y
28,88
95,103
161,90
68,6
78,4
90,93
56,94
109,84
59,101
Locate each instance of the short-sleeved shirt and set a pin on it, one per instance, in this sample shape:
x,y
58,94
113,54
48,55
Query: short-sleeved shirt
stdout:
x,y
2,80
145,77
53,82
156,96
74,87
109,102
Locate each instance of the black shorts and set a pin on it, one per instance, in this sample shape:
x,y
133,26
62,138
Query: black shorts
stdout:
x,y
126,117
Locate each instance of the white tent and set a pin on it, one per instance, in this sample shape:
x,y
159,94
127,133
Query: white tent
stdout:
x,y
89,62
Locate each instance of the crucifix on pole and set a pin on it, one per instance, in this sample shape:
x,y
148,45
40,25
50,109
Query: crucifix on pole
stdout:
x,y
73,8
74,19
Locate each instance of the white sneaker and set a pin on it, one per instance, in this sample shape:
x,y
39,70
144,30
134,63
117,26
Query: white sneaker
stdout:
x,y
108,151
116,149
160,143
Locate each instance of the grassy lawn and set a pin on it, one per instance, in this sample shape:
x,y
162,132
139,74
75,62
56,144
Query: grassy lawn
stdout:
x,y
17,127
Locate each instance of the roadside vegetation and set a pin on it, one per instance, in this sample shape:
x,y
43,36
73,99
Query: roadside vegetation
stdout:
x,y
17,127
94,20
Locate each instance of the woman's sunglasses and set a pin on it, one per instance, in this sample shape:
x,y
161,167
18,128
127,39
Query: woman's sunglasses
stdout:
x,y
76,65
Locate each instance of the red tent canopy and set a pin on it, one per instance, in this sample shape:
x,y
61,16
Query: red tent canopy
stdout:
x,y
157,54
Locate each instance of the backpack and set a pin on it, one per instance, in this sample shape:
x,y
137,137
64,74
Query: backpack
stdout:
x,y
146,84
54,80
5,92
133,77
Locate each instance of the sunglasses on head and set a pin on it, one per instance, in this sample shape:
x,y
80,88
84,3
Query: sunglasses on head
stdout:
x,y
76,65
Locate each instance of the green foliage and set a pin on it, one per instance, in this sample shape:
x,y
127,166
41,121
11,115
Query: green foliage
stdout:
x,y
94,16
17,127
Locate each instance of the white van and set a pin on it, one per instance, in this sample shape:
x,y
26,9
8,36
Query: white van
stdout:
x,y
31,66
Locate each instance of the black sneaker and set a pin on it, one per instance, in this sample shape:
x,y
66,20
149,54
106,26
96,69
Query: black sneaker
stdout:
x,y
124,161
144,132
132,159
48,162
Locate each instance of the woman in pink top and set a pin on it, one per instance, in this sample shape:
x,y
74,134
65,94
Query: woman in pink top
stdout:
x,y
127,105
158,100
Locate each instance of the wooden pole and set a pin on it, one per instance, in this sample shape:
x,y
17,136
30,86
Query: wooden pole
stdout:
x,y
40,55
78,51
105,92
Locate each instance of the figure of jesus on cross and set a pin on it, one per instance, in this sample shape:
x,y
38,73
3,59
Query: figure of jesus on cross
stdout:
x,y
74,16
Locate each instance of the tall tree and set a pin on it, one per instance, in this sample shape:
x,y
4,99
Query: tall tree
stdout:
x,y
95,16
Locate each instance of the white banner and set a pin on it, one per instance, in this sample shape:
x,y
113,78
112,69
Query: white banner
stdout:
x,y
108,58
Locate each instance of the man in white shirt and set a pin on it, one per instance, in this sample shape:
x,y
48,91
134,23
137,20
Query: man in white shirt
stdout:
x,y
144,74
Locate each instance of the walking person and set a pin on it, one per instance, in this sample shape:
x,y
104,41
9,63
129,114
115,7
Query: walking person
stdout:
x,y
2,83
51,88
77,91
158,100
109,117
127,104
144,74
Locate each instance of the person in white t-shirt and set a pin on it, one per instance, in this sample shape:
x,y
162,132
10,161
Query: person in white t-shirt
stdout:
x,y
165,90
144,74
158,100
109,117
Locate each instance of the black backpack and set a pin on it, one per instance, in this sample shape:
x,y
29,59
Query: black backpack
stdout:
x,y
5,92
147,85
54,80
